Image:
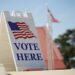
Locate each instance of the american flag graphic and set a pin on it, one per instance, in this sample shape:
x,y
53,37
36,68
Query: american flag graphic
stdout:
x,y
20,30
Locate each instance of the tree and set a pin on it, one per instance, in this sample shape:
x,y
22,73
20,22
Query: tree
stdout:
x,y
66,44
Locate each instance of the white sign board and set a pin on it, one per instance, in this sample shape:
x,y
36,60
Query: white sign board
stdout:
x,y
24,43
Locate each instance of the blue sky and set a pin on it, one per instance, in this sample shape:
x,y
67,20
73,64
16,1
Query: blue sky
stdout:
x,y
63,10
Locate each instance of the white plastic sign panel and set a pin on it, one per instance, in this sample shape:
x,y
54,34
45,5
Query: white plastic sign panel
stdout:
x,y
24,43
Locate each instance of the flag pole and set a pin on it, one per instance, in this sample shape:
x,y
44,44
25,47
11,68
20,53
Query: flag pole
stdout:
x,y
49,44
51,19
49,52
49,48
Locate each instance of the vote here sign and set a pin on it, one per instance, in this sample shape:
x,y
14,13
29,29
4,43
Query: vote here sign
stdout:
x,y
24,43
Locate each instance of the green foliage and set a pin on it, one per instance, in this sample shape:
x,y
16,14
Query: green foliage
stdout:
x,y
66,44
